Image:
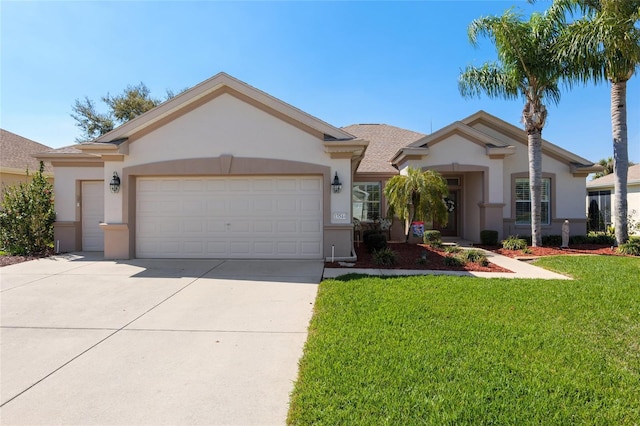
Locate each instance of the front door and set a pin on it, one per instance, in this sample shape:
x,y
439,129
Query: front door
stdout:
x,y
451,229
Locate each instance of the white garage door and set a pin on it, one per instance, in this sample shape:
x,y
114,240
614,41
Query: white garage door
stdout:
x,y
232,217
92,216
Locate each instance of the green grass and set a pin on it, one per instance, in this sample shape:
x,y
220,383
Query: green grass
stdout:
x,y
460,350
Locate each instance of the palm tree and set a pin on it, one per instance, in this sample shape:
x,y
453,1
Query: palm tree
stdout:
x,y
607,165
604,45
417,196
526,68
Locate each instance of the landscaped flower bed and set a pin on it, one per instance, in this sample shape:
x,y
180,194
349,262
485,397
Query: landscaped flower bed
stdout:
x,y
410,256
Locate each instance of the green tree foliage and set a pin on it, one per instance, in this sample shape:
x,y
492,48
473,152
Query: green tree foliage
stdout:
x,y
527,69
417,196
132,102
607,164
27,215
603,44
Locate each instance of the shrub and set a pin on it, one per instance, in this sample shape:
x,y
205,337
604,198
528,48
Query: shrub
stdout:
x,y
432,238
375,241
385,257
601,238
578,239
27,216
453,261
475,256
514,243
552,240
631,247
489,237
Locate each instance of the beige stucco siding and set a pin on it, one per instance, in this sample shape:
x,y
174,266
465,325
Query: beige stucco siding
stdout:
x,y
567,190
229,126
226,125
66,192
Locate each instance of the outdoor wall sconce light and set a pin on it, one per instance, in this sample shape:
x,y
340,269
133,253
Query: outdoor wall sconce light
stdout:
x,y
336,186
115,183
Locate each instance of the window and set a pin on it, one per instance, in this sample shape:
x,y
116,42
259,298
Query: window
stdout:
x,y
599,211
366,201
523,202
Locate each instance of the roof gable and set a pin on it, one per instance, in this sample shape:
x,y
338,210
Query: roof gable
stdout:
x,y
384,142
210,89
519,135
18,151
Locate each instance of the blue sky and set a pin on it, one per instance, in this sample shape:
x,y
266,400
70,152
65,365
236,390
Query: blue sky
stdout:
x,y
343,62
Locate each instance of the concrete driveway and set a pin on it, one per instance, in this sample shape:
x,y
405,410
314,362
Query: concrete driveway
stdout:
x,y
88,341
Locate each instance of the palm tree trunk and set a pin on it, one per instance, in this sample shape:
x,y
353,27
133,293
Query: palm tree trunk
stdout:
x,y
535,185
534,116
620,158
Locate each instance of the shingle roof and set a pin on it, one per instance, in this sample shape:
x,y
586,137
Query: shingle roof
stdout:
x,y
16,151
384,142
633,177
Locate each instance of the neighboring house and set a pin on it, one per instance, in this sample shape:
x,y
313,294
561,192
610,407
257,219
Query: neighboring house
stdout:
x,y
16,157
224,170
601,196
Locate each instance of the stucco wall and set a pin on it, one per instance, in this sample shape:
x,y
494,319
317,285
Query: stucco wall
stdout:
x,y
633,204
567,190
229,126
66,194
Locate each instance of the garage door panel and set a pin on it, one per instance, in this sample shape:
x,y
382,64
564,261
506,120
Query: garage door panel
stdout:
x,y
287,247
243,217
309,226
310,247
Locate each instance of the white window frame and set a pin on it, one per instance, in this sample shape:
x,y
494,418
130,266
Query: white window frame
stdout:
x,y
522,194
362,212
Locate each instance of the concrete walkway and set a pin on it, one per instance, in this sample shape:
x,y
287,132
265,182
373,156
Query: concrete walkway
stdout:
x,y
520,270
87,341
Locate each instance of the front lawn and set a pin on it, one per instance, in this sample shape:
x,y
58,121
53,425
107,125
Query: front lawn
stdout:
x,y
460,350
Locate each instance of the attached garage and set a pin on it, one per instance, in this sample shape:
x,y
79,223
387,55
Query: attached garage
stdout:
x,y
260,217
220,171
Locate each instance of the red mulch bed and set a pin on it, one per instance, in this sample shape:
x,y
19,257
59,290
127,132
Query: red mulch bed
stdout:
x,y
408,257
554,251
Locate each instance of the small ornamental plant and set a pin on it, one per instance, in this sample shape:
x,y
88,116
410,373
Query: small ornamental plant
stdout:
x,y
514,243
385,257
27,215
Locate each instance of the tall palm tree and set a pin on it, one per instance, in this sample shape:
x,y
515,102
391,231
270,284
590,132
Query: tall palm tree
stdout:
x,y
604,45
526,68
417,195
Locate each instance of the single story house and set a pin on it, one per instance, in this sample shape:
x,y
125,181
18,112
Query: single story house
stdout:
x,y
601,196
17,158
224,170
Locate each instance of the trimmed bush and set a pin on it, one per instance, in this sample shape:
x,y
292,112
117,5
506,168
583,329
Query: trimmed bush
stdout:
x,y
552,240
578,239
385,257
489,237
375,241
514,243
27,216
432,237
601,238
